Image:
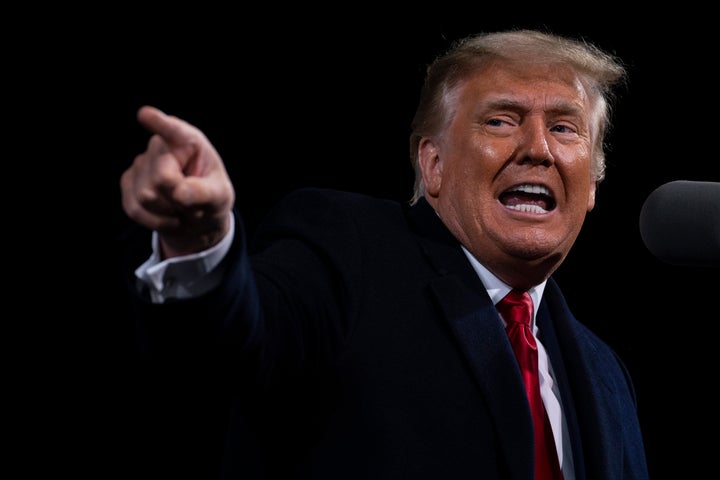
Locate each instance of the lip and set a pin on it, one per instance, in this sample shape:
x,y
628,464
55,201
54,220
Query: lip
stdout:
x,y
528,198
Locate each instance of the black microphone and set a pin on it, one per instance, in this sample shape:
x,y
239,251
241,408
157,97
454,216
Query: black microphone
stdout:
x,y
680,223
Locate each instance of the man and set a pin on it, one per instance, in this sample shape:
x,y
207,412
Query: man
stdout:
x,y
355,337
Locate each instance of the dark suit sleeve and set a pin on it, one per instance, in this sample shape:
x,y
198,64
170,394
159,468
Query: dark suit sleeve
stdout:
x,y
186,353
269,330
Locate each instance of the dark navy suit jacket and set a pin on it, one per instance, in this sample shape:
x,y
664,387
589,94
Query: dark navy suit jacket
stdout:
x,y
352,339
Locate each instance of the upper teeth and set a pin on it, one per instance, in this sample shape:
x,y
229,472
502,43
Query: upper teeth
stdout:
x,y
527,188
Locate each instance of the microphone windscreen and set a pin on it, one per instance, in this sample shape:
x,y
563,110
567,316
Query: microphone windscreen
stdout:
x,y
680,223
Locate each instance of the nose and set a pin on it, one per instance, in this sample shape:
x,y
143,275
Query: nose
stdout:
x,y
535,147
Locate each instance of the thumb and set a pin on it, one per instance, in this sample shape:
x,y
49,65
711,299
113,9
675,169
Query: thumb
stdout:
x,y
211,193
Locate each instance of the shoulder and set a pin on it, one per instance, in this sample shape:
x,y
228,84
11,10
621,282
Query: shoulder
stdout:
x,y
329,205
582,343
325,196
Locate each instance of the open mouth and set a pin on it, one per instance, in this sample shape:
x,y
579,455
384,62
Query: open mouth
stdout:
x,y
528,198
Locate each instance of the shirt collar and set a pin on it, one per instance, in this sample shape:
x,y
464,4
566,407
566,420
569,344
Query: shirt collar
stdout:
x,y
497,289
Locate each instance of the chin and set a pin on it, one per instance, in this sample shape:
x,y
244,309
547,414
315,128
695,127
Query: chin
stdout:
x,y
537,252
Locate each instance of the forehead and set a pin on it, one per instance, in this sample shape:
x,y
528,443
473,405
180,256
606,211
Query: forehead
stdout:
x,y
527,82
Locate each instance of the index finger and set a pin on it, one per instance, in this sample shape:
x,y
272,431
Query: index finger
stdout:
x,y
172,129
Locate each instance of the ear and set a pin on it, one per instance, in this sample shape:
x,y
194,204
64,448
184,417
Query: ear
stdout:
x,y
430,166
591,196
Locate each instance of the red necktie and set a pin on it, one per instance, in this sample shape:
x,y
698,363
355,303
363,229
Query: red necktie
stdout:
x,y
516,308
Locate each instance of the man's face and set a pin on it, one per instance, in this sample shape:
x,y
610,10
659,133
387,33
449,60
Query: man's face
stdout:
x,y
511,174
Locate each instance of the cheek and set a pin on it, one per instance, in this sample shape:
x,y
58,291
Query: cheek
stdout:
x,y
484,159
575,166
495,150
579,155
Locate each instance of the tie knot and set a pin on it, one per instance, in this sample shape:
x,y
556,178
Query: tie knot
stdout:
x,y
516,306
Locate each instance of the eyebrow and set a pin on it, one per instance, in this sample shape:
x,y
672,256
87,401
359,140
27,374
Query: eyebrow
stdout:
x,y
560,106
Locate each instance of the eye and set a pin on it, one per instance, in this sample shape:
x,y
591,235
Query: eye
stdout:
x,y
561,128
500,121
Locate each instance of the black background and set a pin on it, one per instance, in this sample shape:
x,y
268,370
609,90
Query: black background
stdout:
x,y
295,97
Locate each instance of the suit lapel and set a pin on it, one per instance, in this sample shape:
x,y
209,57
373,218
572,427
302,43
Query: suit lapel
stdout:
x,y
549,340
587,389
478,331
